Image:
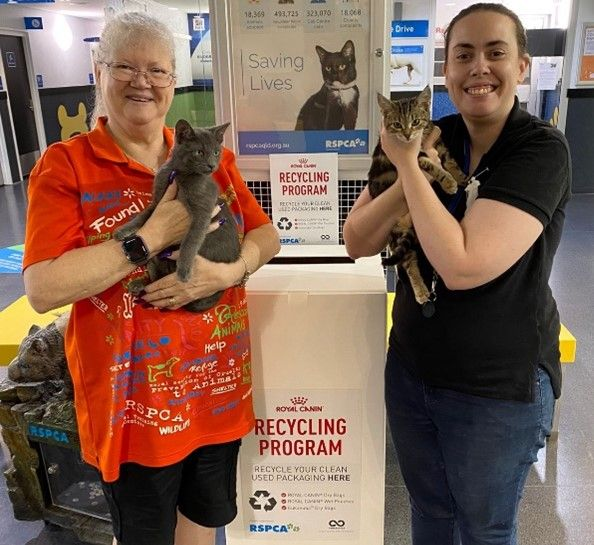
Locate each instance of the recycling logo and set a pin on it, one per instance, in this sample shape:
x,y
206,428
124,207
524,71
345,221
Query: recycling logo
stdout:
x,y
262,500
284,224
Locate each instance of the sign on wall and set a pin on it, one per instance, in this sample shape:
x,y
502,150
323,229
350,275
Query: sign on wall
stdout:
x,y
586,73
408,55
301,466
304,190
301,76
200,48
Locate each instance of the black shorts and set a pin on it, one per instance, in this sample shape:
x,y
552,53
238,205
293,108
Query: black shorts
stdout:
x,y
143,502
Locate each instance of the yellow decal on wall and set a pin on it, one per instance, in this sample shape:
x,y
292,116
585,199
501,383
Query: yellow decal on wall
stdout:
x,y
72,125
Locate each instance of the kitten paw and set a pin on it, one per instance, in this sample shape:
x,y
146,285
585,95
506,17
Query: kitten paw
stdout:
x,y
135,287
450,187
184,274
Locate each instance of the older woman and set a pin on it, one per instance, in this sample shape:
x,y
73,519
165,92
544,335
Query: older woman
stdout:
x,y
151,418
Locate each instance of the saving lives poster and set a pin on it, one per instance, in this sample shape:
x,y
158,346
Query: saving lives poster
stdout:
x,y
301,76
301,466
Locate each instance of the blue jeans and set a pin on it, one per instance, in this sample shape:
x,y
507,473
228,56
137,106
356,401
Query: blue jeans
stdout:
x,y
464,458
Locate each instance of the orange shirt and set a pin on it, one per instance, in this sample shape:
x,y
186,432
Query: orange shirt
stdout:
x,y
150,385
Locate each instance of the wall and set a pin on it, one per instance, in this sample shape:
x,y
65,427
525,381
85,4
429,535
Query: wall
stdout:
x,y
67,67
578,103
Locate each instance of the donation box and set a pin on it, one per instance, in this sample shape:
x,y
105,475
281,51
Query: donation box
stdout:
x,y
312,470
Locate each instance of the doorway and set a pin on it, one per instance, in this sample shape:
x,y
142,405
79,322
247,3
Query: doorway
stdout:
x,y
19,120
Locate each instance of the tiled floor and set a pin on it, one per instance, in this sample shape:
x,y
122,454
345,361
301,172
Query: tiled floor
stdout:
x,y
558,506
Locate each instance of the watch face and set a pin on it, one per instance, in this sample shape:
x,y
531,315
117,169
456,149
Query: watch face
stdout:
x,y
135,249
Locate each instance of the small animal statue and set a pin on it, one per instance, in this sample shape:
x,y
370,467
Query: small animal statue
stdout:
x,y
336,104
41,356
406,119
195,156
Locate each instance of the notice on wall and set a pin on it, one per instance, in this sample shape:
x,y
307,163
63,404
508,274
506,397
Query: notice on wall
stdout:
x,y
301,466
304,190
408,55
301,76
586,74
200,48
548,76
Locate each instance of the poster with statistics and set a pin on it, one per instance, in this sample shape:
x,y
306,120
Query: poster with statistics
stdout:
x,y
300,76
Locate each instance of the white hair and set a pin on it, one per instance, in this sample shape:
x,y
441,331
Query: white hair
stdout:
x,y
128,30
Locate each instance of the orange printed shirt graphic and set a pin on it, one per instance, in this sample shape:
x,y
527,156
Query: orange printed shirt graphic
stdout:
x,y
150,386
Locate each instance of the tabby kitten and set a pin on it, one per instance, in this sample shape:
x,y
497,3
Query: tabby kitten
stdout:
x,y
336,104
406,118
195,156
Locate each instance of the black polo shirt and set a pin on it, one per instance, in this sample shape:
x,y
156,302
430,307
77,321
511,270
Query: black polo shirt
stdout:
x,y
488,340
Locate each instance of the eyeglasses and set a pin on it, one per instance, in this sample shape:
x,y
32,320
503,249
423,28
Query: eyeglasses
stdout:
x,y
157,77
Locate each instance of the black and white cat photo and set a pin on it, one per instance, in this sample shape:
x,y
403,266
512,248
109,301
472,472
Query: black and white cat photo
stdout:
x,y
336,104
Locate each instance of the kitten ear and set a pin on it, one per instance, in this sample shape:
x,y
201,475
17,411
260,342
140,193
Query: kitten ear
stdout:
x,y
34,329
183,130
321,52
219,131
425,96
384,103
348,49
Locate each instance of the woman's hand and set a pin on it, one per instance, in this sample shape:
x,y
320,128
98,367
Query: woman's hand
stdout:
x,y
207,278
170,221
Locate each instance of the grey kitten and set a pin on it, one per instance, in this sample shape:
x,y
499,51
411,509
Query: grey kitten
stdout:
x,y
195,156
407,118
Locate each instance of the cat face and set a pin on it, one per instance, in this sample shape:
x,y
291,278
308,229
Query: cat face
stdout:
x,y
338,68
40,356
406,118
197,150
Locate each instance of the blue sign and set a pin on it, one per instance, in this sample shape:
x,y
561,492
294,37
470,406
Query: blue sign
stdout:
x,y
91,78
33,23
414,28
407,49
267,142
39,80
10,59
1,84
11,261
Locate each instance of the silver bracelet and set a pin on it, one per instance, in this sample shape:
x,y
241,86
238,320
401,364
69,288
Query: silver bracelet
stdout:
x,y
246,274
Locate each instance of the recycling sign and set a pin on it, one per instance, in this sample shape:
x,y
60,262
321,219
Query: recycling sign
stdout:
x,y
284,224
262,500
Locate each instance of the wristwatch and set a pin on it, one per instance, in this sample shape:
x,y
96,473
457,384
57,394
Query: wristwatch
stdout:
x,y
135,250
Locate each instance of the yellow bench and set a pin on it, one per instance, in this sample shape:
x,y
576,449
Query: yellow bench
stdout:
x,y
17,318
567,342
